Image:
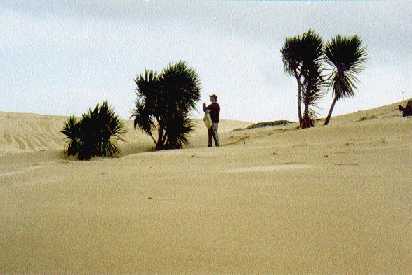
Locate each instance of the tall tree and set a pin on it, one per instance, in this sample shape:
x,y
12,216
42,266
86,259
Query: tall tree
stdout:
x,y
302,57
164,102
346,56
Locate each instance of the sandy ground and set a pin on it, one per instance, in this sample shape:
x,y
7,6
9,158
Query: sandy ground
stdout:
x,y
334,199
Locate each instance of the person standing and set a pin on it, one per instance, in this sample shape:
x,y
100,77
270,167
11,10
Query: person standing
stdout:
x,y
213,110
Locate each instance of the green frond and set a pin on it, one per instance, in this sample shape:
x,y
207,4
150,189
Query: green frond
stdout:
x,y
347,56
300,51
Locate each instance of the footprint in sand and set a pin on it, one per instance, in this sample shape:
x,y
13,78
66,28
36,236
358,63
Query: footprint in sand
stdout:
x,y
20,143
30,143
8,138
42,140
21,171
269,168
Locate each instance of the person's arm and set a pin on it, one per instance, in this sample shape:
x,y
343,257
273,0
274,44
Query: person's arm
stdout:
x,y
213,108
204,107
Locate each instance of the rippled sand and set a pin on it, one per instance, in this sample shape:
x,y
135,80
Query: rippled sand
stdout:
x,y
334,199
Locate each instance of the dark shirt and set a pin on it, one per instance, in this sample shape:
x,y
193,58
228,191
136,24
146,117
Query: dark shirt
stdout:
x,y
214,110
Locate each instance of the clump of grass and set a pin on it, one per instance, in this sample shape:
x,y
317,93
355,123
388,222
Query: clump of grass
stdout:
x,y
265,124
268,124
363,118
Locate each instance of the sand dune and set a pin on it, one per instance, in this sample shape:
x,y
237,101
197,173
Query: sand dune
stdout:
x,y
335,199
26,132
29,132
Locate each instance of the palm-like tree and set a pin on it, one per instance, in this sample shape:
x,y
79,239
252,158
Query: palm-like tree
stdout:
x,y
164,102
302,58
346,56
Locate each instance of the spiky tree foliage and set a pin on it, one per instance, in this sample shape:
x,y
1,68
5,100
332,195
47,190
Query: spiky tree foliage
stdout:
x,y
95,134
302,57
164,102
72,131
149,108
346,56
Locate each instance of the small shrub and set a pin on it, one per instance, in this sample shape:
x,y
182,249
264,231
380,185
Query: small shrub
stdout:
x,y
406,111
95,134
268,124
367,118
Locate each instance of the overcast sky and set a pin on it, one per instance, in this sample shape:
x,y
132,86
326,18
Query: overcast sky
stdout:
x,y
61,57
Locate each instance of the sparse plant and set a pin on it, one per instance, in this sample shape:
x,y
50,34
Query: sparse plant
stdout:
x,y
363,118
95,134
267,124
406,111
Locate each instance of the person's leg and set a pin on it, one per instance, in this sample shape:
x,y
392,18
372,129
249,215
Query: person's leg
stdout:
x,y
216,134
408,110
209,137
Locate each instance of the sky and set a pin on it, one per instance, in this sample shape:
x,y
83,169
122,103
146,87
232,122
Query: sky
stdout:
x,y
61,57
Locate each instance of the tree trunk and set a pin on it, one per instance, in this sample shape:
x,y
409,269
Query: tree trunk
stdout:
x,y
335,99
307,121
160,139
300,103
299,98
